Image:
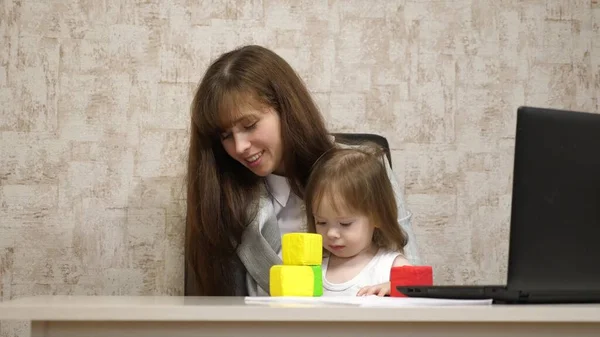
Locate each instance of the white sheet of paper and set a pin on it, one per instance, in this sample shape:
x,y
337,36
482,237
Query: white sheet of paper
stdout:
x,y
366,301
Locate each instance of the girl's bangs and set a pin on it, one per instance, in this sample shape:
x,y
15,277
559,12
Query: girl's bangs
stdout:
x,y
332,194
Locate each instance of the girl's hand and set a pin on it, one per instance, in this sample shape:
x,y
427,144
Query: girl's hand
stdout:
x,y
379,290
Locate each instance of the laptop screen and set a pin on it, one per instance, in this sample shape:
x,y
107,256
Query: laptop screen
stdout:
x,y
555,217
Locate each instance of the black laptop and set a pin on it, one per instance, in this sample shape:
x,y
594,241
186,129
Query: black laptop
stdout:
x,y
554,245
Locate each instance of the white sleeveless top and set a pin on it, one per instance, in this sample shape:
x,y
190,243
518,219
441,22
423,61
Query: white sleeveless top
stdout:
x,y
377,271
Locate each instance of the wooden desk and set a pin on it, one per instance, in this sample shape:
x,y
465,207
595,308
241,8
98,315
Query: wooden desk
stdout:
x,y
229,316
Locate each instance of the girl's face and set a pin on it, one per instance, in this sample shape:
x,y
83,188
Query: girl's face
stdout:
x,y
345,233
254,139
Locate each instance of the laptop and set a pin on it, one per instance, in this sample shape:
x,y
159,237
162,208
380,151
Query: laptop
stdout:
x,y
554,244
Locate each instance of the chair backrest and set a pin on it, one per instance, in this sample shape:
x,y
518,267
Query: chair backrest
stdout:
x,y
360,138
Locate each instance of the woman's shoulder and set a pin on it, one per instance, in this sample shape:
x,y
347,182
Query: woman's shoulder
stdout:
x,y
345,145
340,145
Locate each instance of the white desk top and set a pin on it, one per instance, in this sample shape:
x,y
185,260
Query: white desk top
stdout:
x,y
171,308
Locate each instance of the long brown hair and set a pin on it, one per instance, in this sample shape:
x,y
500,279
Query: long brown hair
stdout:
x,y
222,194
355,179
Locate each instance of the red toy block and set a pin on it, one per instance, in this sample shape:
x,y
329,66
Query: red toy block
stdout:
x,y
409,276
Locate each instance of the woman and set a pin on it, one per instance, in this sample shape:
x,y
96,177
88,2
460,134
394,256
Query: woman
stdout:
x,y
255,134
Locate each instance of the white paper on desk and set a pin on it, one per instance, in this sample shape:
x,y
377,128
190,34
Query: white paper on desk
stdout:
x,y
366,301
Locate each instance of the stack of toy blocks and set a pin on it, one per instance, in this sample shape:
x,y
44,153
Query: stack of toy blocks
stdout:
x,y
300,274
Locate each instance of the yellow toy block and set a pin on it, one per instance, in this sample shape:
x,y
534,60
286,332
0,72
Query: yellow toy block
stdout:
x,y
303,249
287,280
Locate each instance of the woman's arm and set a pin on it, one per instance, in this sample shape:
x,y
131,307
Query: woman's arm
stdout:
x,y
404,218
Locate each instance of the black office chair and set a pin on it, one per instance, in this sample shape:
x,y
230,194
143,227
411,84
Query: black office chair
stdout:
x,y
343,138
359,138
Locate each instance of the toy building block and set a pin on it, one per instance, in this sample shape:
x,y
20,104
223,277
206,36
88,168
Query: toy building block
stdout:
x,y
300,274
409,276
289,280
302,249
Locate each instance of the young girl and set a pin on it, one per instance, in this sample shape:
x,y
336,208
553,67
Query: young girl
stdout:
x,y
351,203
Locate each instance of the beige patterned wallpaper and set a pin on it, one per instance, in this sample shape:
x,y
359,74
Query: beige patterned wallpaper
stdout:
x,y
94,99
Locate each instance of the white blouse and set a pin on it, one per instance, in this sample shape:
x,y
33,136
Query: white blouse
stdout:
x,y
289,208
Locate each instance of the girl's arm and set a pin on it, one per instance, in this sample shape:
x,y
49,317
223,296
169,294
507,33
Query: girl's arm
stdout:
x,y
383,289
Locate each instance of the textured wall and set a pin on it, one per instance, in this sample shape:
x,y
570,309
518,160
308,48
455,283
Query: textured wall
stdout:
x,y
94,99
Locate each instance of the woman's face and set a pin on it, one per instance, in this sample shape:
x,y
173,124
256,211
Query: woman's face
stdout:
x,y
254,139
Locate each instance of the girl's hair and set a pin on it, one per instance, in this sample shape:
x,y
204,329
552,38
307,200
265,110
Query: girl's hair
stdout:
x,y
356,180
222,194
